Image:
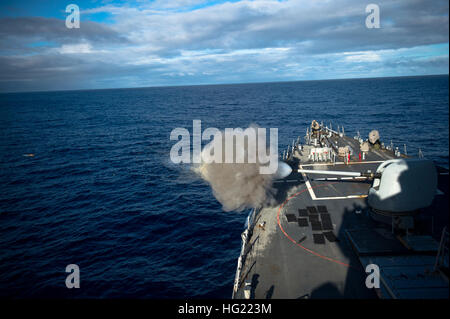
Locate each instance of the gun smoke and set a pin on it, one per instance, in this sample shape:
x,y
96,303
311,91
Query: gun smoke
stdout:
x,y
236,186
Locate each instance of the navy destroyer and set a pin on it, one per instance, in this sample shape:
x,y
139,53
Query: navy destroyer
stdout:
x,y
355,218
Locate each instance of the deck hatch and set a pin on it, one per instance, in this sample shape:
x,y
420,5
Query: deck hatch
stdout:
x,y
291,218
330,236
326,222
302,213
319,239
316,225
312,209
303,222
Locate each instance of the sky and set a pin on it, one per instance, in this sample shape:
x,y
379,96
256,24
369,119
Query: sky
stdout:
x,y
187,42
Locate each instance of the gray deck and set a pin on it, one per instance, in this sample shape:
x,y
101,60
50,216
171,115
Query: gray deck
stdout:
x,y
284,261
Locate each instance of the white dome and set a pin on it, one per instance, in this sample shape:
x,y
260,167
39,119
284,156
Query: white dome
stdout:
x,y
405,185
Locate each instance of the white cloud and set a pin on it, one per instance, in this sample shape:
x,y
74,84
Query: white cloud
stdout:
x,y
80,48
172,4
155,42
369,56
75,48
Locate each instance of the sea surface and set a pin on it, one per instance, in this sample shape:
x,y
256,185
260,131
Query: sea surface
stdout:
x,y
102,193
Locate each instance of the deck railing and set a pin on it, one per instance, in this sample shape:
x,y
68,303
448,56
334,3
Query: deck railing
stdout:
x,y
246,234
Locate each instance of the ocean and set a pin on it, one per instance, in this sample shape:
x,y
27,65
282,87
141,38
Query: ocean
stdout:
x,y
102,193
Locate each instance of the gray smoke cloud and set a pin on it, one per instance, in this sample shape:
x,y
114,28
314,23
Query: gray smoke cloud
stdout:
x,y
236,186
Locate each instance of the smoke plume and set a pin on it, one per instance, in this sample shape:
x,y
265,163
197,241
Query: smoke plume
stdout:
x,y
236,186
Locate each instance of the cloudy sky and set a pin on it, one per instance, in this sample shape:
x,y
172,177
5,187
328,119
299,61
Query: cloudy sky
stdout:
x,y
180,42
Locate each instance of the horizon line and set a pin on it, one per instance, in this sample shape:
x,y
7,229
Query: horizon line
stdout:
x,y
218,84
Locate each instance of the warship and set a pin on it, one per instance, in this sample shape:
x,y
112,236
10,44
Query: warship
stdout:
x,y
354,218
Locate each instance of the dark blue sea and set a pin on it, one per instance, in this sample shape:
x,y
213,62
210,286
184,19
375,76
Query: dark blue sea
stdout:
x,y
102,193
